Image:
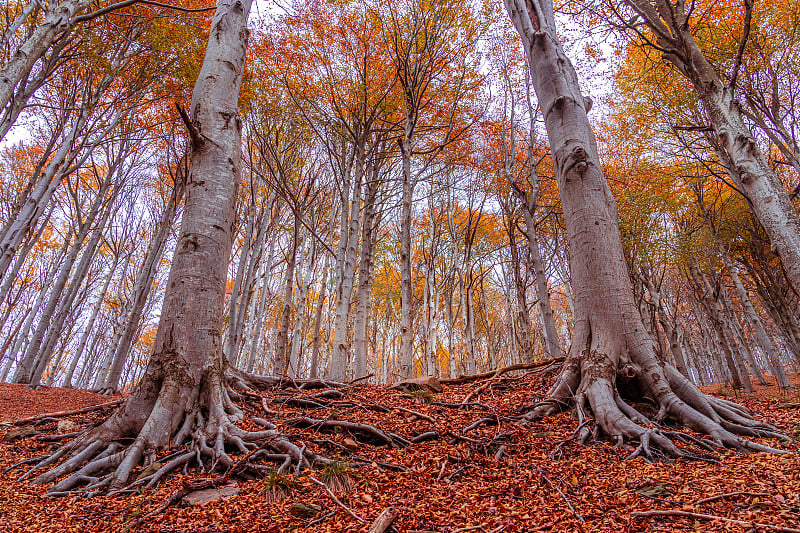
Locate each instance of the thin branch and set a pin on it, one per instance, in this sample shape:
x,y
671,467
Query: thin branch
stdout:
x,y
127,3
748,18
337,500
700,516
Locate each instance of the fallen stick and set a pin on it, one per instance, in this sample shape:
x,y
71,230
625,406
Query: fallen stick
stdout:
x,y
337,500
499,371
415,413
384,520
730,494
57,414
564,497
362,378
700,516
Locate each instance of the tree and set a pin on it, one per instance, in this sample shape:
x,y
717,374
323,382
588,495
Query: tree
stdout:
x,y
611,357
184,393
431,42
672,34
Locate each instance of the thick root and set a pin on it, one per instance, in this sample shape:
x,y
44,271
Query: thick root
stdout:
x,y
589,380
205,437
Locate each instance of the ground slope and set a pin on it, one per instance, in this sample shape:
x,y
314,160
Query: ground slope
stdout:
x,y
493,478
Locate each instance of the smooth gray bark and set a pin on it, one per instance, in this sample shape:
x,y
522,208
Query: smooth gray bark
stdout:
x,y
337,369
610,344
739,149
368,228
186,370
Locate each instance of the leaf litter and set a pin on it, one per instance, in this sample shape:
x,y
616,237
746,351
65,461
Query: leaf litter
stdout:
x,y
500,476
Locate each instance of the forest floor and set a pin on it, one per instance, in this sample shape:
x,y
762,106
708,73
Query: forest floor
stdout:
x,y
505,478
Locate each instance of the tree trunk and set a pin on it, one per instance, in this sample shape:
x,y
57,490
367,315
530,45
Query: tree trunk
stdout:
x,y
405,368
365,277
542,287
234,307
281,358
750,170
257,337
764,342
183,394
300,296
738,334
337,369
611,355
313,372
667,324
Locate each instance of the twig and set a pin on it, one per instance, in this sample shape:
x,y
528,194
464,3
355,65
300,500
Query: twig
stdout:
x,y
564,496
80,411
729,494
700,516
362,378
441,470
498,529
320,519
468,528
415,413
338,502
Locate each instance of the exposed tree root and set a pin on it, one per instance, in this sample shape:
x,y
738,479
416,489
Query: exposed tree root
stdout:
x,y
203,433
607,395
500,371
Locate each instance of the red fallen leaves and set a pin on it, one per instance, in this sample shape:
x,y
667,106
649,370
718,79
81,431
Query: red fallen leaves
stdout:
x,y
18,401
448,486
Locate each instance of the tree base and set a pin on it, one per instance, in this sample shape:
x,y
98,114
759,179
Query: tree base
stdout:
x,y
203,434
591,384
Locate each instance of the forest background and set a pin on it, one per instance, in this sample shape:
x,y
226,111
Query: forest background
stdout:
x,y
399,214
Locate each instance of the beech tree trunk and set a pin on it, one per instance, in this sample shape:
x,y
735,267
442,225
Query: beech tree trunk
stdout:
x,y
281,357
668,325
351,211
368,228
183,390
405,368
740,152
611,356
